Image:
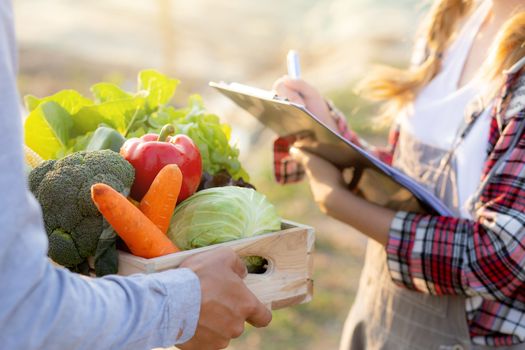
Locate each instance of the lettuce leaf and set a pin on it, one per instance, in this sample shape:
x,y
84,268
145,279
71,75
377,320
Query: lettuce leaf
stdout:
x,y
64,122
119,114
70,100
160,89
107,92
47,129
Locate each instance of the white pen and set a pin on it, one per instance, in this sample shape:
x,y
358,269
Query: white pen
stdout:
x,y
292,60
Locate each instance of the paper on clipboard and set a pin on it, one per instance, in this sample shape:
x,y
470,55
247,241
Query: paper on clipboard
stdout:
x,y
373,180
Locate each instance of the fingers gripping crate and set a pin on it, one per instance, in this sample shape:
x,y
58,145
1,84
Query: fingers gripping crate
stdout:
x,y
288,277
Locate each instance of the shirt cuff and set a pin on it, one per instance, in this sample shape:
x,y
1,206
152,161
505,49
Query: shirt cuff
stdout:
x,y
399,248
184,301
286,169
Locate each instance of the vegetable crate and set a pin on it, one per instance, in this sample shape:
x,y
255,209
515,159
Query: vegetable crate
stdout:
x,y
287,280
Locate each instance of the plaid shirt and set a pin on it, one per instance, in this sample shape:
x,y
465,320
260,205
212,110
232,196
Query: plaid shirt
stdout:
x,y
482,259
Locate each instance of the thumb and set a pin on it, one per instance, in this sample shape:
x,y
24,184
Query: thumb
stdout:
x,y
299,155
301,86
261,316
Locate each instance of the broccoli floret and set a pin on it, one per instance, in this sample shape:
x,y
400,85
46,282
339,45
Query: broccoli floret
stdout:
x,y
103,163
63,189
38,173
83,236
63,249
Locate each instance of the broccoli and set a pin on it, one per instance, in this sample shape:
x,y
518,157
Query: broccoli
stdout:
x,y
63,189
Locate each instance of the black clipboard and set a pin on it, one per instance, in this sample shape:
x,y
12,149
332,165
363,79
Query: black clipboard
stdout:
x,y
372,179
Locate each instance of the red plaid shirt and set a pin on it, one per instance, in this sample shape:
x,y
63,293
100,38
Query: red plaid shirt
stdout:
x,y
482,259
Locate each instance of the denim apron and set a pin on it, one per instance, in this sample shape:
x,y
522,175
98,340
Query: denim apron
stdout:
x,y
388,317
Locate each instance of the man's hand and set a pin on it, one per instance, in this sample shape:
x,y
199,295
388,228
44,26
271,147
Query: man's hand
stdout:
x,y
226,302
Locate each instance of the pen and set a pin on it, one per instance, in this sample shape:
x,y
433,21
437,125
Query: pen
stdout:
x,y
292,60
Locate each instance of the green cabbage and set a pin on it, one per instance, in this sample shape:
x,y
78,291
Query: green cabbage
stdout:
x,y
222,214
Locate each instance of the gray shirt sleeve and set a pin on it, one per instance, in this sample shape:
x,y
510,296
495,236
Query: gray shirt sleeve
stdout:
x,y
44,307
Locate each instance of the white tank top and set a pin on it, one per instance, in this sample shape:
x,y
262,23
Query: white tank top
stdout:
x,y
438,112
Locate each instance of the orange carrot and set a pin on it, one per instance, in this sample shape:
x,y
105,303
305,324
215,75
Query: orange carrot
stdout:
x,y
141,236
134,202
159,202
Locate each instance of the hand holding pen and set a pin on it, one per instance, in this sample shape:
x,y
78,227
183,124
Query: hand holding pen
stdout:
x,y
296,90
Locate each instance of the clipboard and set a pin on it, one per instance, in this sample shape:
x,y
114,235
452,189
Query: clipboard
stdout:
x,y
371,179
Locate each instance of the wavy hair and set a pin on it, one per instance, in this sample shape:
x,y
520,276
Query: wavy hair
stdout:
x,y
396,86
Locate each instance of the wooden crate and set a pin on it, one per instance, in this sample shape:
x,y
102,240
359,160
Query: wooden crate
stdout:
x,y
287,280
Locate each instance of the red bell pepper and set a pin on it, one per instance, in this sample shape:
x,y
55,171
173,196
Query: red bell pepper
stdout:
x,y
150,153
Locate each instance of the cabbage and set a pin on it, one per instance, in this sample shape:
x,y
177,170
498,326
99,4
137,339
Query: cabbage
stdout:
x,y
222,214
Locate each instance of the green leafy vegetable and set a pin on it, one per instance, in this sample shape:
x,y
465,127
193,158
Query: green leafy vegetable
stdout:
x,y
119,114
70,100
64,123
106,256
105,92
222,214
48,129
160,89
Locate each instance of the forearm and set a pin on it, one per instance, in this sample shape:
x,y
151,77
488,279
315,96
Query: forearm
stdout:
x,y
42,307
66,311
370,219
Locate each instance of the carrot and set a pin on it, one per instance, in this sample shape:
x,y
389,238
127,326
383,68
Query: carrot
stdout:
x,y
159,202
141,236
132,201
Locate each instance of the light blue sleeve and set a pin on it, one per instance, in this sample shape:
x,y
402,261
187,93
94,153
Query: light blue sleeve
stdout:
x,y
44,307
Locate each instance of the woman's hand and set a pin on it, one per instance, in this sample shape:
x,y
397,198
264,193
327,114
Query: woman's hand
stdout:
x,y
333,198
300,92
324,178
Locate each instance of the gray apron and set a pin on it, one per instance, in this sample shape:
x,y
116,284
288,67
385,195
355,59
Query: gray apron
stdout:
x,y
388,317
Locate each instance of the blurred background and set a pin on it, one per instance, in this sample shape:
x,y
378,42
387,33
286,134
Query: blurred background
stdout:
x,y
74,44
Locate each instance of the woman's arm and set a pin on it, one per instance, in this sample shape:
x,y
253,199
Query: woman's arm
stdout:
x,y
443,255
332,197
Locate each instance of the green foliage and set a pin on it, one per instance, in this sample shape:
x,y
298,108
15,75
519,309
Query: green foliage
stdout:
x,y
65,122
50,129
159,88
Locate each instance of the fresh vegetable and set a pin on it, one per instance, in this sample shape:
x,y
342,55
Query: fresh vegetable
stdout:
x,y
159,202
220,179
62,187
105,138
206,130
31,157
222,214
141,235
134,202
65,122
106,256
150,153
